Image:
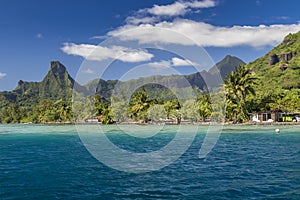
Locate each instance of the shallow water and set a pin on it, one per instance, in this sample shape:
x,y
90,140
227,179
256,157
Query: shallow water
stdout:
x,y
50,162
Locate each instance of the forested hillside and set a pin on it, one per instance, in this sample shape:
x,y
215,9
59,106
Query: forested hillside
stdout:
x,y
278,77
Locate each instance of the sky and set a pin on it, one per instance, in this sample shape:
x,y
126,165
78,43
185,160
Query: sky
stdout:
x,y
120,39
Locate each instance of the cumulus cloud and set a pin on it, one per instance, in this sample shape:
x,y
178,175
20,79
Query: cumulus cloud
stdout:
x,y
174,62
178,8
201,4
99,53
189,32
159,64
156,25
2,75
141,20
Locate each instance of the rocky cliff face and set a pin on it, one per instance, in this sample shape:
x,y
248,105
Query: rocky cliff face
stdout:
x,y
274,58
57,67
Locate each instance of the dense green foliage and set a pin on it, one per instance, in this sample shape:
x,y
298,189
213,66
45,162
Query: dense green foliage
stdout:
x,y
45,111
237,87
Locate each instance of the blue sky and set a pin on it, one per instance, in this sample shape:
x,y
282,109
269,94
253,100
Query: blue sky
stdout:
x,y
33,33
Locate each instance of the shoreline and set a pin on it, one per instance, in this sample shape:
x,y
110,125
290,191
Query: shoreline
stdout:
x,y
168,124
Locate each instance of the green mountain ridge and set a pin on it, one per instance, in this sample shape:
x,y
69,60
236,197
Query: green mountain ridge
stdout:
x,y
198,80
279,68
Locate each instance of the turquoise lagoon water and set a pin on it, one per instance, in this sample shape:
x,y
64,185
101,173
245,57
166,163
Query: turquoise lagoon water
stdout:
x,y
50,162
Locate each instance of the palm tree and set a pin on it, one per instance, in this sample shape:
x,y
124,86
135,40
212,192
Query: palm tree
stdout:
x,y
139,105
238,86
204,106
172,109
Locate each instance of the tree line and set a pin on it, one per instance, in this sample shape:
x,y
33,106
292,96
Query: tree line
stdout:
x,y
243,97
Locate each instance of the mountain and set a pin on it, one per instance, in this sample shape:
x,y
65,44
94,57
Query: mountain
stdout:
x,y
226,66
214,77
198,80
57,84
279,69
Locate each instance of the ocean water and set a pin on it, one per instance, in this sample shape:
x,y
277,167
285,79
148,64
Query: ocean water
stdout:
x,y
247,162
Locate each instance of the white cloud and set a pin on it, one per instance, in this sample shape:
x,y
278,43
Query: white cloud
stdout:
x,y
99,53
175,9
201,4
178,8
141,20
146,27
2,75
189,32
162,63
174,62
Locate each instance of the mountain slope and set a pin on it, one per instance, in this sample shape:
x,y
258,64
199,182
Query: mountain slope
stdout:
x,y
57,84
226,66
197,80
214,76
279,68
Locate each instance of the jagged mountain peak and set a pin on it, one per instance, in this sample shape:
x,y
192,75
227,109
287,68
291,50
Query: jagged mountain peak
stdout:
x,y
228,58
56,66
226,65
57,84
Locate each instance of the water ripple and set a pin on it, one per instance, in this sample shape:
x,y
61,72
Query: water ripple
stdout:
x,y
47,162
